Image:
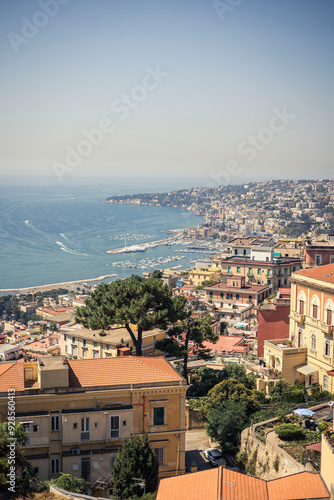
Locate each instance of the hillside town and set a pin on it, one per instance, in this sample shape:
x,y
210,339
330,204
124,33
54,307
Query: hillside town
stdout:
x,y
252,351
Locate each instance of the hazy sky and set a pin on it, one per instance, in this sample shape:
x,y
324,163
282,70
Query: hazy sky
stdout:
x,y
220,90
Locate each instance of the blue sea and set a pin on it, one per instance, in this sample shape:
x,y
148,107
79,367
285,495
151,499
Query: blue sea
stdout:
x,y
52,234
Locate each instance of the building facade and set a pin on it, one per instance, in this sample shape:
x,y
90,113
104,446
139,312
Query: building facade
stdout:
x,y
78,412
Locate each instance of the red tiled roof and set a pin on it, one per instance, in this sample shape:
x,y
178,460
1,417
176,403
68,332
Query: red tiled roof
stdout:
x,y
11,377
296,486
322,273
230,485
225,343
118,371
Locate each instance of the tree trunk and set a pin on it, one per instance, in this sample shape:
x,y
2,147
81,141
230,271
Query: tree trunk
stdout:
x,y
136,342
139,342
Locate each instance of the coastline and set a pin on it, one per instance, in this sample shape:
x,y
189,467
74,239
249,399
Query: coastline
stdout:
x,y
150,244
51,286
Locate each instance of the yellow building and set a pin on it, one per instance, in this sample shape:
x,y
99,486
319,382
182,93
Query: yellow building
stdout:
x,y
78,412
197,276
79,342
310,358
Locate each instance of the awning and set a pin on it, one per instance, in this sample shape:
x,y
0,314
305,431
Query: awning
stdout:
x,y
307,369
331,372
315,446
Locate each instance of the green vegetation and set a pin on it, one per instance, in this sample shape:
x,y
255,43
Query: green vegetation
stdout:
x,y
146,303
12,459
289,432
66,482
225,424
187,335
135,459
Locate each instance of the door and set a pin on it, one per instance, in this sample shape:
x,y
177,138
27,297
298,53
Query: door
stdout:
x,y
85,469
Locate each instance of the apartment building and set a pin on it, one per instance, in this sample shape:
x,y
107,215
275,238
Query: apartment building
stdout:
x,y
197,276
78,412
78,342
276,273
236,289
308,355
319,251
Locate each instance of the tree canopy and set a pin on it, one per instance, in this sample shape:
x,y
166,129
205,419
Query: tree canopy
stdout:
x,y
225,424
234,391
147,303
189,335
10,440
135,459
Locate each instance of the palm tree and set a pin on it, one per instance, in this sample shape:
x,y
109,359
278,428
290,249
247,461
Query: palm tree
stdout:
x,y
53,326
43,328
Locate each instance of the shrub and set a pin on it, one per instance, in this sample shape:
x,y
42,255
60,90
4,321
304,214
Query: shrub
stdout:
x,y
323,426
289,431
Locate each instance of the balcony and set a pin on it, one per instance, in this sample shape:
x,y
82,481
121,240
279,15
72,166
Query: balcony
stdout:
x,y
283,346
327,329
300,318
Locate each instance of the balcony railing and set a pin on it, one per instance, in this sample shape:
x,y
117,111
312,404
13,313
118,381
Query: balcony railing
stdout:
x,y
327,329
300,318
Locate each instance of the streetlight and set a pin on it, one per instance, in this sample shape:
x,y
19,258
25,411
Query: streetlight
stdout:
x,y
140,482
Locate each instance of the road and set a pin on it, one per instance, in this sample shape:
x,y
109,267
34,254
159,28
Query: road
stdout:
x,y
196,442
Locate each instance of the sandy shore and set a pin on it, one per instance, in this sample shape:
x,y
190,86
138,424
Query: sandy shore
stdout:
x,y
44,288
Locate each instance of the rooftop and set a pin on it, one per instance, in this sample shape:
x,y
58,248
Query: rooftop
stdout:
x,y
222,285
231,485
113,336
321,273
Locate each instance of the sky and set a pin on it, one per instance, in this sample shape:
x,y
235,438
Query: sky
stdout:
x,y
221,91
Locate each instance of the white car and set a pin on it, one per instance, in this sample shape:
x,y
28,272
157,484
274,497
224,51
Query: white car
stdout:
x,y
214,456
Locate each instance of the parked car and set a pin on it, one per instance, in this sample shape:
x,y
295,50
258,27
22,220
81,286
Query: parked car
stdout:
x,y
214,456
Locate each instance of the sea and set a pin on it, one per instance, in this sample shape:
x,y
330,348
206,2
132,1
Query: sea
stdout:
x,y
52,234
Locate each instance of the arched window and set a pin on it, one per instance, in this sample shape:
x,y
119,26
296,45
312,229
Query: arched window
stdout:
x,y
301,301
313,341
315,306
328,312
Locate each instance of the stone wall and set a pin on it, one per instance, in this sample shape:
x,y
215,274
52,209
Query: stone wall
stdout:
x,y
266,460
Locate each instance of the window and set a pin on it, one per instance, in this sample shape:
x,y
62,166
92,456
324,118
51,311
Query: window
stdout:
x,y
112,461
73,340
84,343
75,425
221,295
159,416
211,294
235,251
73,350
114,426
318,260
268,272
229,270
27,429
237,297
301,307
315,311
54,423
245,252
285,271
85,429
36,470
108,346
95,344
229,296
65,336
250,272
259,271
35,428
159,453
331,259
294,269
95,354
55,465
329,317
313,341
238,269
325,382
285,281
327,348
84,353
249,298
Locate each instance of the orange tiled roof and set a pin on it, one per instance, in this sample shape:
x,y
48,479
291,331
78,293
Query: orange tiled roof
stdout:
x,y
296,486
323,273
236,486
120,370
11,377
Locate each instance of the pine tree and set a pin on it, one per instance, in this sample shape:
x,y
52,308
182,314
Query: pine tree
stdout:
x,y
135,459
146,303
189,335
